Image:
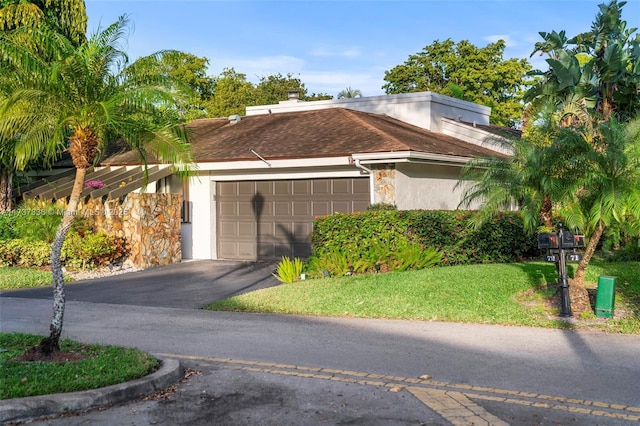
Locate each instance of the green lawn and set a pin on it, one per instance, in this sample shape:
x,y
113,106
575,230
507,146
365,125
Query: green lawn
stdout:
x,y
93,369
510,294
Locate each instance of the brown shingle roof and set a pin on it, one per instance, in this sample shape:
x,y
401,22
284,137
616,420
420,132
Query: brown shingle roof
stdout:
x,y
318,133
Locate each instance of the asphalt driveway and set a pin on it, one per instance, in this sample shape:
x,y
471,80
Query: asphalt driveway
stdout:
x,y
190,284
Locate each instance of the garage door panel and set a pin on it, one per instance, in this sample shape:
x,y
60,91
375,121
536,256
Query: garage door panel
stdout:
x,y
341,206
246,229
228,229
247,250
282,208
301,208
227,188
264,187
282,187
269,219
341,187
228,209
246,209
322,186
359,206
301,187
246,188
321,208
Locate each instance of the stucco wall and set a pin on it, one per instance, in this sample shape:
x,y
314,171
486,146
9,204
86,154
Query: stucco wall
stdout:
x,y
430,188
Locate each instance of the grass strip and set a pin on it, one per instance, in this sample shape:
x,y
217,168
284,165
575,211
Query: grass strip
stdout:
x,y
508,294
97,366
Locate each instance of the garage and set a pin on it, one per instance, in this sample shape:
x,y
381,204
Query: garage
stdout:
x,y
265,220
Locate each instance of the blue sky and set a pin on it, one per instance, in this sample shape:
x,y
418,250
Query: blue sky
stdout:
x,y
332,44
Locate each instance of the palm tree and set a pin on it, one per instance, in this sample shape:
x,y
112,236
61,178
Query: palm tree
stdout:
x,y
79,98
349,93
608,175
526,179
67,17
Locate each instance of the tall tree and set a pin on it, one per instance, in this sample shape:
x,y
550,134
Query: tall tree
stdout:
x,y
80,98
480,75
232,94
608,175
597,75
67,17
273,88
599,68
185,69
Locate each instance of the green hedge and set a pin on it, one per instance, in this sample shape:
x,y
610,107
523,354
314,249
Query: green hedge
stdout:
x,y
78,252
451,233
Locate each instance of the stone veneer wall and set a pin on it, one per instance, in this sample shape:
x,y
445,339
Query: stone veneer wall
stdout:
x,y
384,185
150,223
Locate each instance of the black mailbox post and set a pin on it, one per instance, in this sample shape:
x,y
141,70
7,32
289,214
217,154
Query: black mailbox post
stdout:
x,y
561,248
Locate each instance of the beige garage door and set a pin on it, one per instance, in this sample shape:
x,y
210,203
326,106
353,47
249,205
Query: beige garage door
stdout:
x,y
264,220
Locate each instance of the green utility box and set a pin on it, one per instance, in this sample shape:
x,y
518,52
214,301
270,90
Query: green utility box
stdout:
x,y
606,296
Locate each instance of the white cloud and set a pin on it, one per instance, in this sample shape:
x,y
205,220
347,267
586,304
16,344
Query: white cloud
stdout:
x,y
510,42
334,82
346,53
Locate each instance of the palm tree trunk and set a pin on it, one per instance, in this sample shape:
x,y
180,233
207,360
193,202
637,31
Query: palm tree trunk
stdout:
x,y
51,343
6,190
588,253
546,212
578,292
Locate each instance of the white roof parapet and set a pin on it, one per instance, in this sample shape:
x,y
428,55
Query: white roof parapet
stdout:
x,y
422,109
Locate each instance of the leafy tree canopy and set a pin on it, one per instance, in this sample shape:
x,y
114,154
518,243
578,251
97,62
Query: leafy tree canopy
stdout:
x,y
598,69
66,17
462,70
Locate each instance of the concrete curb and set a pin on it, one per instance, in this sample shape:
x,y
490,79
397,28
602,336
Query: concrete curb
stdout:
x,y
20,409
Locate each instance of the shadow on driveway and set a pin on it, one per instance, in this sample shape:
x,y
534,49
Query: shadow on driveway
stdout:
x,y
190,284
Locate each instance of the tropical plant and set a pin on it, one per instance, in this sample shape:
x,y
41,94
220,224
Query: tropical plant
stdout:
x,y
349,93
80,98
527,179
599,69
608,174
67,17
288,270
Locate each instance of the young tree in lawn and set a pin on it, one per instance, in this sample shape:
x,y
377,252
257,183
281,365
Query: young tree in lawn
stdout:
x,y
79,98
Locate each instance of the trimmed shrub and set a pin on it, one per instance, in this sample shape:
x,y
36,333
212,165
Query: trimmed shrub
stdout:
x,y
370,234
24,253
8,225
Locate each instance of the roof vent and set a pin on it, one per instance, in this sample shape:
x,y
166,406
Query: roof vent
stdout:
x,y
293,95
233,119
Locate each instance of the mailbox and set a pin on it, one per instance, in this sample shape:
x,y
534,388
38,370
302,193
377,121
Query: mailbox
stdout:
x,y
579,241
567,240
548,240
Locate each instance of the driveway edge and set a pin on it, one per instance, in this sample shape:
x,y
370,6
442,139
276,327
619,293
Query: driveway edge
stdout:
x,y
20,409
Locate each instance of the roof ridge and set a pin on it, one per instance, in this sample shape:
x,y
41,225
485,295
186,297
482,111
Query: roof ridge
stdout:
x,y
371,127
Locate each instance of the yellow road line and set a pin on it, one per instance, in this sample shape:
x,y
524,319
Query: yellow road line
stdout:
x,y
426,389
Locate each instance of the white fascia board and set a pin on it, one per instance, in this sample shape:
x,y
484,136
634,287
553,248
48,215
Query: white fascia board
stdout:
x,y
405,156
274,164
286,174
